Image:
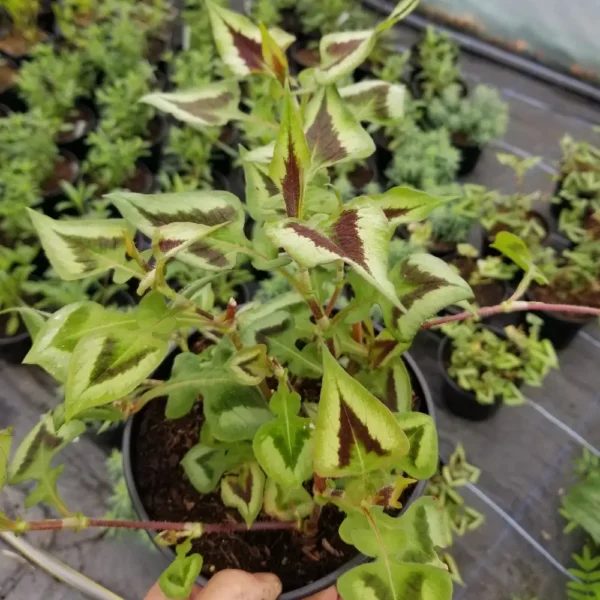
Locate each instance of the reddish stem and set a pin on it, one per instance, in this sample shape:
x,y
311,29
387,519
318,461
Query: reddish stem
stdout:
x,y
53,524
513,307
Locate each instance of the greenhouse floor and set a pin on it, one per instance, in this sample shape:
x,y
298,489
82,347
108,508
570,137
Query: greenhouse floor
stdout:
x,y
525,453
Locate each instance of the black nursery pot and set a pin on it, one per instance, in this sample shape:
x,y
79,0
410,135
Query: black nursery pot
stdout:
x,y
82,121
157,134
458,401
14,348
131,431
9,95
469,156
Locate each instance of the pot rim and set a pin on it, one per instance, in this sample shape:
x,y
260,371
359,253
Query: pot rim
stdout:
x,y
329,579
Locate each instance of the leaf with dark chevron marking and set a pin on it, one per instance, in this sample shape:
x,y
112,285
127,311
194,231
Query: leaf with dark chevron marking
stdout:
x,y
273,57
108,366
285,504
402,204
425,285
358,236
422,459
374,101
212,105
343,52
283,447
240,43
332,132
243,489
83,248
291,158
249,366
355,433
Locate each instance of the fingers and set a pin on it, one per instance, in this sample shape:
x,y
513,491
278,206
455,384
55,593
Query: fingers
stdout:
x,y
328,594
239,585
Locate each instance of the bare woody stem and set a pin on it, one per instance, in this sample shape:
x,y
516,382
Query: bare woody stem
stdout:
x,y
509,307
78,523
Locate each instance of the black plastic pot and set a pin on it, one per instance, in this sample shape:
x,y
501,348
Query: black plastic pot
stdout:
x,y
415,85
383,156
9,94
4,111
560,330
74,140
461,402
157,134
52,194
14,348
306,591
469,156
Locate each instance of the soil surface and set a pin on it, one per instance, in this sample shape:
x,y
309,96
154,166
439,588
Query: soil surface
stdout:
x,y
15,44
486,294
557,294
78,123
8,77
140,182
65,169
166,493
592,225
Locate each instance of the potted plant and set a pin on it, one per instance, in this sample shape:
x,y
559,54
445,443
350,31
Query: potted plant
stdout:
x,y
484,367
514,212
573,278
473,122
58,84
15,269
422,159
445,228
21,32
122,116
115,162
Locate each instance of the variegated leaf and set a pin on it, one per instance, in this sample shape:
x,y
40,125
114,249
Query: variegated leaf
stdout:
x,y
402,204
262,155
239,40
263,199
425,285
53,346
355,433
392,385
5,443
359,237
218,252
35,453
274,58
374,101
284,504
422,459
291,159
204,465
153,315
107,366
212,105
243,490
332,132
381,580
283,447
83,248
341,53
249,366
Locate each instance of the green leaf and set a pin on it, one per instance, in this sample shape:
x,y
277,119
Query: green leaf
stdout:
x,y
178,578
212,105
516,250
374,101
106,367
402,204
263,198
582,504
54,345
249,366
422,459
401,10
358,236
153,315
218,252
283,446
291,158
243,490
332,132
5,443
204,465
380,580
284,504
355,433
82,248
239,40
425,285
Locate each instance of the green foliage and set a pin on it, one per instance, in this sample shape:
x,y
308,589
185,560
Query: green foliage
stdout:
x,y
179,577
587,573
445,224
475,119
438,60
393,67
23,15
422,159
334,15
188,153
490,366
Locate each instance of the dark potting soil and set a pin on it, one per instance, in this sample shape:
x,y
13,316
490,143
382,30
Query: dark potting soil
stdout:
x,y
565,295
78,123
8,77
592,225
140,182
167,494
65,169
486,294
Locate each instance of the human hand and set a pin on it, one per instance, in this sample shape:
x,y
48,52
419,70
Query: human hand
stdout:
x,y
239,585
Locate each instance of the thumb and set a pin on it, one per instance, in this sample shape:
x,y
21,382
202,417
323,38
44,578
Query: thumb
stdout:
x,y
239,585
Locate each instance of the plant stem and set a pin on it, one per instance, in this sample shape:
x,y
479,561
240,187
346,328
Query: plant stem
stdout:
x,y
78,523
315,306
338,289
509,307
